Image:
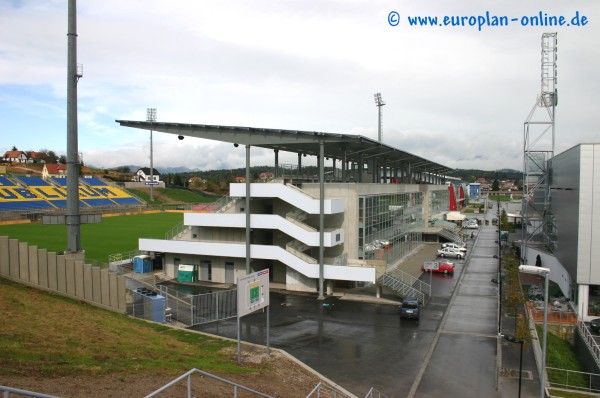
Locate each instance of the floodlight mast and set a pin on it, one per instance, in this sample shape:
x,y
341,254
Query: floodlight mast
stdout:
x,y
74,72
379,103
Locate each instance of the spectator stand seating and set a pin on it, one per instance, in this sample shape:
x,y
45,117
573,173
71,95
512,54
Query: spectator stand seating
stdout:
x,y
34,193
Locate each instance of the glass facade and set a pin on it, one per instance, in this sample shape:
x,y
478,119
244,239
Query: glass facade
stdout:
x,y
387,225
438,202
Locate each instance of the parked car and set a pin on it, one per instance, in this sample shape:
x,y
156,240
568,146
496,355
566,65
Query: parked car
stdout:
x,y
445,267
456,246
410,309
448,252
471,225
595,325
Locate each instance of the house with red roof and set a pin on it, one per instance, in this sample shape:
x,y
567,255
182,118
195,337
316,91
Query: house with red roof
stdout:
x,y
15,156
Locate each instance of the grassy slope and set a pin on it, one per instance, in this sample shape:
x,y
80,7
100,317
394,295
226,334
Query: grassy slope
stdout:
x,y
112,235
170,196
64,337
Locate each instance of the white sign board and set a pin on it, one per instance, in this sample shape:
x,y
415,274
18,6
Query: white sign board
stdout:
x,y
253,292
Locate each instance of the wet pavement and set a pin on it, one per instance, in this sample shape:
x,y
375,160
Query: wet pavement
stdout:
x,y
454,350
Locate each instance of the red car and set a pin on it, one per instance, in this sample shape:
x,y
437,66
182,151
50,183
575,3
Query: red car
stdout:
x,y
445,267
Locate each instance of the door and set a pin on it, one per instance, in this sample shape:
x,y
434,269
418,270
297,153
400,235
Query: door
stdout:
x,y
205,270
229,274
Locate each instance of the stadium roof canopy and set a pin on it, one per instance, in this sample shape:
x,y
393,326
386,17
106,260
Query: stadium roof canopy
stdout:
x,y
301,142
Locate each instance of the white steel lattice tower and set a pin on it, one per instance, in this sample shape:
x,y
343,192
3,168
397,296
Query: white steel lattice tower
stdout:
x,y
379,103
538,150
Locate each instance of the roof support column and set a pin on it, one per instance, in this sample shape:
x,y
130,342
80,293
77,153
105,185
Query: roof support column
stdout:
x,y
276,162
247,209
385,171
299,163
344,165
321,217
360,167
375,175
333,173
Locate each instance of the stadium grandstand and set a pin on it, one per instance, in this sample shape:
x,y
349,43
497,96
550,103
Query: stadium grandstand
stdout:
x,y
35,193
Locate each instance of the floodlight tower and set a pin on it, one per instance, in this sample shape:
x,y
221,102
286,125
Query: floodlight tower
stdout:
x,y
379,103
151,117
538,150
74,72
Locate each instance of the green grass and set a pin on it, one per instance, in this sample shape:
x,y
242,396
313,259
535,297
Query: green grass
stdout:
x,y
166,195
112,235
561,354
66,337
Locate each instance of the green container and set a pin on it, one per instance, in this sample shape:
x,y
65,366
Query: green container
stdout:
x,y
187,273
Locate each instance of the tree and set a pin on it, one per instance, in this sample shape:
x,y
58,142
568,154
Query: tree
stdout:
x,y
495,185
62,159
14,148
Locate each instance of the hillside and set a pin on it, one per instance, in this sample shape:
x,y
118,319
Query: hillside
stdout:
x,y
69,349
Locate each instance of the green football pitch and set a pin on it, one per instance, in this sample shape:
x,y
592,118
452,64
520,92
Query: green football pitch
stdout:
x,y
113,235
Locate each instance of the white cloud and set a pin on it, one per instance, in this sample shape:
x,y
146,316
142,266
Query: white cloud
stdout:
x,y
455,95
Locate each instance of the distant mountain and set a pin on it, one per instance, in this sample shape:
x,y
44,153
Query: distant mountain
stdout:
x,y
470,175
161,170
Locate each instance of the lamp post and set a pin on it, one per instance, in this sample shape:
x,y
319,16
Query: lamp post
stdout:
x,y
512,339
151,117
545,272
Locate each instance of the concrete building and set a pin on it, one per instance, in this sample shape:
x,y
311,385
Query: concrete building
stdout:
x,y
315,229
572,242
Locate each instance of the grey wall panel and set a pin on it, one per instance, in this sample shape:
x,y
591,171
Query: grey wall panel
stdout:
x,y
105,288
42,255
23,261
121,294
4,256
88,284
96,285
114,291
61,274
32,260
79,286
70,276
564,191
13,257
52,271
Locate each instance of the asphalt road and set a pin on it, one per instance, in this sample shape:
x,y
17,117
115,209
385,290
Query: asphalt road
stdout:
x,y
358,345
451,351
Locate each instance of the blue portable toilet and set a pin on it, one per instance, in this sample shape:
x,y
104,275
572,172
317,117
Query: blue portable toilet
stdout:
x,y
142,263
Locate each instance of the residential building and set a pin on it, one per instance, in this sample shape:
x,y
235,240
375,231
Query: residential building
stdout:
x,y
146,175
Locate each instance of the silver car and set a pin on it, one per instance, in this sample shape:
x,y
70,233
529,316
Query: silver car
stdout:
x,y
448,252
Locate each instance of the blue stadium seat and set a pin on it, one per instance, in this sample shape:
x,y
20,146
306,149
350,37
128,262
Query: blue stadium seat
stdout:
x,y
25,205
5,182
33,181
99,202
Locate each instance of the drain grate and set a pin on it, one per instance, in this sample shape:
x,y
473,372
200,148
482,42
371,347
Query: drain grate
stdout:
x,y
514,373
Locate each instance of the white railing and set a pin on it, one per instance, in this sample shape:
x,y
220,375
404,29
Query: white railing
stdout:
x,y
235,387
305,257
173,232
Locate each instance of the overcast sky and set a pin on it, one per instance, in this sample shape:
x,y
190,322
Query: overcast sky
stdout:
x,y
455,95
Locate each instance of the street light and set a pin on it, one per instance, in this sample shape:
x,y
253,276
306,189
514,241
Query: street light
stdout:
x,y
512,339
545,272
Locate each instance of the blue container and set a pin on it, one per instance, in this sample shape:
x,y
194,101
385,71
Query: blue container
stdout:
x,y
142,263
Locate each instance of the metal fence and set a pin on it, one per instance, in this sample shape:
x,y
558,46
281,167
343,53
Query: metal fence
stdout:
x,y
180,306
210,307
574,380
